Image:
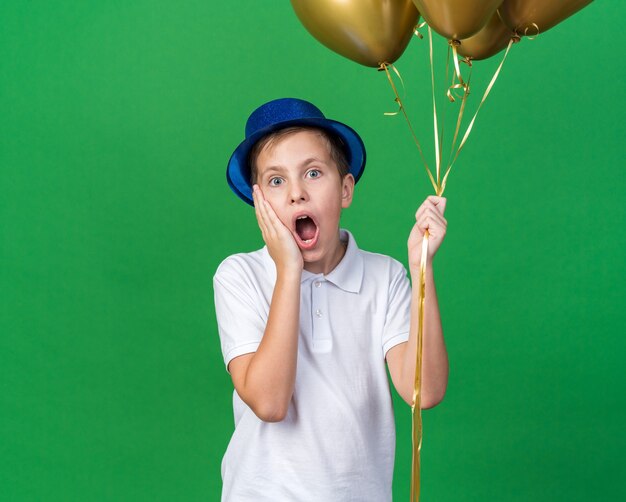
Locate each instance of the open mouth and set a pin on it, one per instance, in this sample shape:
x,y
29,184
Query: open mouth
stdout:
x,y
307,231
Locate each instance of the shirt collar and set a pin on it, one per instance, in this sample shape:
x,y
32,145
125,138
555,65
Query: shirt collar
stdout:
x,y
347,275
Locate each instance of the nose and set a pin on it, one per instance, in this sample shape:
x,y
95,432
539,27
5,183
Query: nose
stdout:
x,y
297,193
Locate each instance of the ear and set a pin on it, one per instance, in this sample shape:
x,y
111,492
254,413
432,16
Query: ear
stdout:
x,y
347,190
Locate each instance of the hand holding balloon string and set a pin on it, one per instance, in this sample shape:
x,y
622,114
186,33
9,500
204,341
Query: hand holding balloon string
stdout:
x,y
281,244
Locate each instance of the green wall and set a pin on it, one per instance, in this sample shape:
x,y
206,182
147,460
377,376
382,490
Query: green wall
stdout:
x,y
117,120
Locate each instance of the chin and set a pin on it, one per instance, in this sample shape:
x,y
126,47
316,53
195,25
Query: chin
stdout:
x,y
313,256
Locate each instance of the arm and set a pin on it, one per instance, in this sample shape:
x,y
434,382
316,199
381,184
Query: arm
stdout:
x,y
265,379
402,358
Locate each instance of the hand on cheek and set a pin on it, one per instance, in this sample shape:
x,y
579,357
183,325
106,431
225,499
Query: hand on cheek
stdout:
x,y
278,238
429,217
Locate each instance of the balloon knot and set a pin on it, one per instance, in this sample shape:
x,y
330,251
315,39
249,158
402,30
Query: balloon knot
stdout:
x,y
454,42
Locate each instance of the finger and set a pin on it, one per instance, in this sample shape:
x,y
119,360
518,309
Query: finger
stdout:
x,y
431,213
438,202
257,204
433,222
266,218
433,227
420,210
271,219
258,208
271,214
435,203
430,201
259,192
434,214
442,205
255,199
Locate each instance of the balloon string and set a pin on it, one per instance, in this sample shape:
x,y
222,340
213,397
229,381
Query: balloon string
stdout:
x,y
482,101
435,126
459,118
461,85
454,44
443,115
416,422
416,408
385,67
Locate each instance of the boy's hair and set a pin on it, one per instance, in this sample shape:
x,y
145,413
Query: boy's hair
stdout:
x,y
336,146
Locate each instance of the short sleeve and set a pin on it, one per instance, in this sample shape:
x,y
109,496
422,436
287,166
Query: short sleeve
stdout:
x,y
240,324
398,315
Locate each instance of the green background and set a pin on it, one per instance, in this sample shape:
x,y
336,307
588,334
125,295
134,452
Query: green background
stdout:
x,y
117,121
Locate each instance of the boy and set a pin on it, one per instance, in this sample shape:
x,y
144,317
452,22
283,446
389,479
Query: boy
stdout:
x,y
307,322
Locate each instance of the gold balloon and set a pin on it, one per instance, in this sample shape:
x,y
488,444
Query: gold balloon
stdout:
x,y
494,37
457,19
369,32
522,15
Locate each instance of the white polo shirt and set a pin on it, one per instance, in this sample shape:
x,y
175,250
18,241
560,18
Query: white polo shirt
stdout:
x,y
337,442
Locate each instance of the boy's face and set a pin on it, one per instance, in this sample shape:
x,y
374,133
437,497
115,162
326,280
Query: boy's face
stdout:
x,y
300,180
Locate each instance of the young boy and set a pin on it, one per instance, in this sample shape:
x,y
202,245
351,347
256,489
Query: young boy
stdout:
x,y
307,322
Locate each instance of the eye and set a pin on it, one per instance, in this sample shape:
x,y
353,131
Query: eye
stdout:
x,y
274,182
314,173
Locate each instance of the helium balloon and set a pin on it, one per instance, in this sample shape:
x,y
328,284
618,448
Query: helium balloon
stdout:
x,y
532,16
370,32
494,37
457,19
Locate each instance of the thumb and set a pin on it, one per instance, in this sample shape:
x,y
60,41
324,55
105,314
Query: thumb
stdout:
x,y
440,203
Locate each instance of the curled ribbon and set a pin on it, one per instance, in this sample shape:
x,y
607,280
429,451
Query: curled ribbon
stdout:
x,y
531,37
417,28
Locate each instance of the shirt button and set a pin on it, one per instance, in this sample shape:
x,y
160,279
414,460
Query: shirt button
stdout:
x,y
318,284
318,313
